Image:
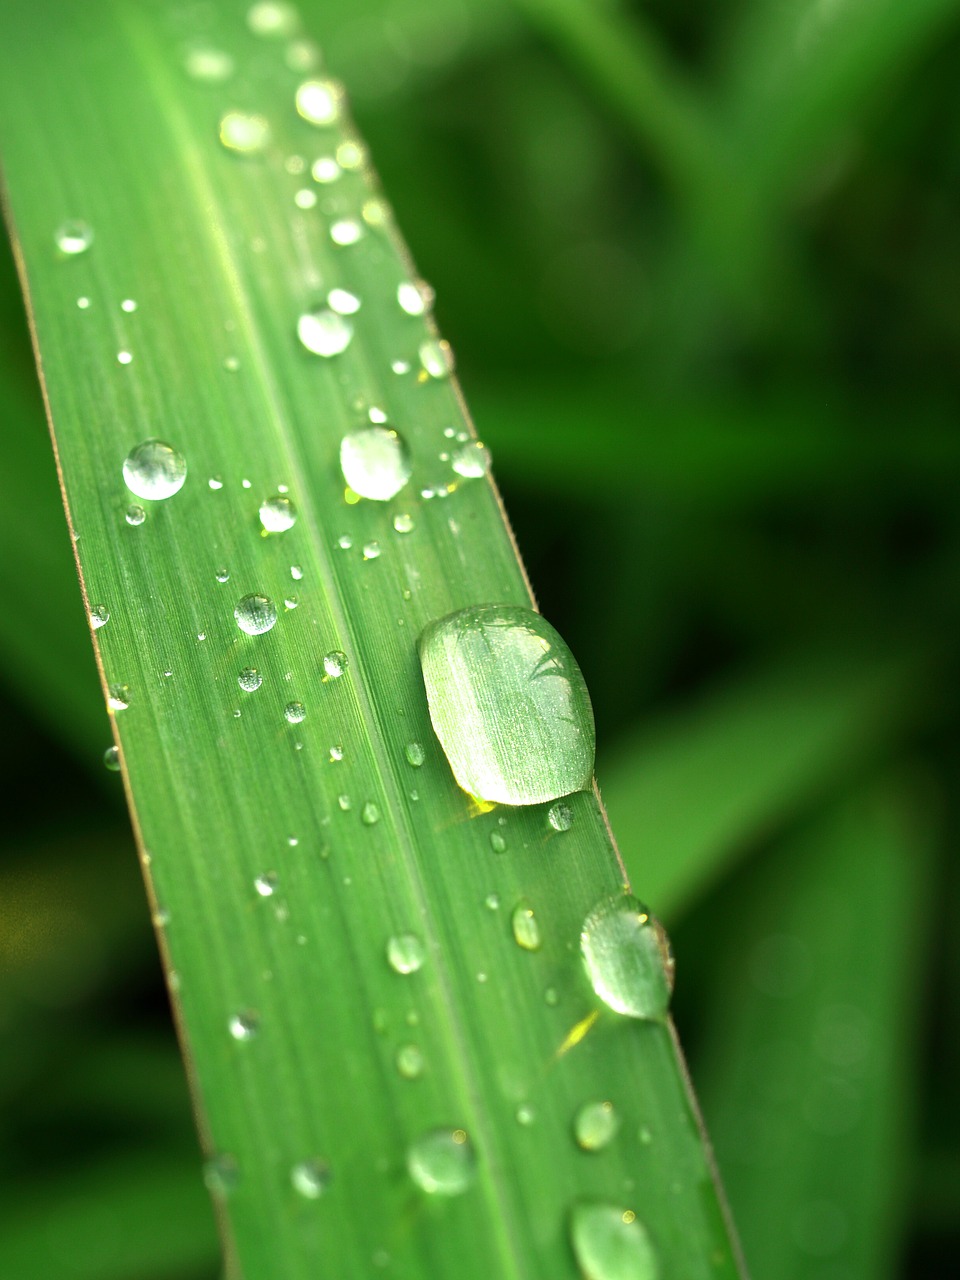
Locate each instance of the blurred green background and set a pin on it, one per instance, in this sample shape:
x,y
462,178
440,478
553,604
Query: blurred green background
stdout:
x,y
701,266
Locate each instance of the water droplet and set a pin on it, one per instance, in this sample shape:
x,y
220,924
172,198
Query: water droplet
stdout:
x,y
344,542
403,523
552,997
222,575
526,930
414,297
118,697
376,212
334,664
273,19
135,515
436,357
249,679
595,1125
99,616
310,1178
622,951
611,1243
415,754
154,470
471,460
125,357
370,814
277,514
509,705
128,305
74,237
405,953
375,462
319,101
301,55
294,712
111,759
325,169
344,802
346,231
324,332
525,1114
560,816
498,842
351,154
336,754
266,885
343,302
208,65
291,602
371,551
492,902
221,1175
255,614
442,1162
305,198
244,1026
410,1062
296,573
245,134
215,483
83,303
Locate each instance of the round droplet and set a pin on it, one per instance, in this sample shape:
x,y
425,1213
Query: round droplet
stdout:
x,y
208,65
125,357
278,514
319,101
334,664
346,231
405,953
99,616
128,305
310,1178
336,754
436,357
273,19
294,712
343,302
525,1114
414,298
222,575
135,515
595,1125
74,237
325,170
442,1162
324,332
526,930
266,885
370,814
498,842
118,697
492,902
111,759
611,1243
415,754
154,470
560,816
410,1062
296,573
221,1175
471,460
371,551
508,704
375,462
247,135
245,1025
255,614
622,952
403,523
249,679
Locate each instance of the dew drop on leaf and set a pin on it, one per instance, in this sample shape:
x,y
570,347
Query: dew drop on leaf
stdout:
x,y
595,1125
405,953
111,759
611,1243
249,679
118,697
334,664
375,462
273,19
471,460
255,614
436,358
99,616
294,712
560,816
324,332
310,1178
442,1162
245,134
346,231
624,951
319,101
245,1025
343,302
74,237
221,1175
409,1062
277,514
526,930
266,884
415,754
207,64
154,470
135,515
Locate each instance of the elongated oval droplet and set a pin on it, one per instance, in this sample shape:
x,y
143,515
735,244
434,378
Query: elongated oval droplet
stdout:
x,y
247,135
625,953
375,462
526,929
325,332
442,1162
154,470
255,614
509,705
595,1125
611,1243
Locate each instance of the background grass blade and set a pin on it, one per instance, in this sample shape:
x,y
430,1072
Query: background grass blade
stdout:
x,y
221,255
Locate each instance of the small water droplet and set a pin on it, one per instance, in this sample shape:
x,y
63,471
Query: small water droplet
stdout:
x,y
436,357
324,332
336,754
208,65
492,902
370,814
247,135
245,1025
375,462
83,303
128,305
346,231
334,664
246,484
215,483
99,616
498,842
552,997
291,602
526,930
118,697
296,573
277,514
135,515
249,679
344,542
222,575
611,1243
442,1162
74,237
414,297
221,1175
294,712
644,1135
525,1114
415,754
111,759
301,55
376,212
319,102
405,953
344,802
595,1125
343,302
255,614
273,19
305,198
325,170
371,551
471,460
126,357
310,1178
351,154
622,952
154,470
266,884
410,1062
560,816
403,523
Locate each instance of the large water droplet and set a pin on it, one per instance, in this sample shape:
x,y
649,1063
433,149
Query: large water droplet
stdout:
x,y
310,1178
509,705
560,816
611,1243
526,930
442,1162
622,949
375,462
255,614
245,134
278,514
324,332
73,237
154,470
471,460
319,101
405,953
99,616
595,1125
111,758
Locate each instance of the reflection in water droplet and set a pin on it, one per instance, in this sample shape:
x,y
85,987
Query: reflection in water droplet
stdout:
x,y
294,712
206,64
560,816
471,460
244,1026
526,930
415,754
334,664
154,470
277,514
255,614
436,357
266,884
509,705
135,515
442,1162
118,697
622,953
74,237
249,679
324,332
245,134
410,1062
611,1243
595,1125
375,462
99,616
405,953
310,1178
346,231
111,758
319,101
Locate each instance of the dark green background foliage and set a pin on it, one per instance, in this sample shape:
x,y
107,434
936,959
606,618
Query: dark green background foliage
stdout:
x,y
701,267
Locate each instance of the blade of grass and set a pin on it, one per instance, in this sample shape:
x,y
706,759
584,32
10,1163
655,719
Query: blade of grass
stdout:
x,y
221,260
